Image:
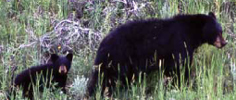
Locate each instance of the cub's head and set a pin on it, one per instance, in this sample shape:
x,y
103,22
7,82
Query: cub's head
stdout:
x,y
212,32
61,64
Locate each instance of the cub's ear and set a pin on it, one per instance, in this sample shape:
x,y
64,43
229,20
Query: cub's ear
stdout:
x,y
212,14
69,56
54,57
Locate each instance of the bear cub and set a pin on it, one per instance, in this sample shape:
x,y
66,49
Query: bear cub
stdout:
x,y
56,71
138,47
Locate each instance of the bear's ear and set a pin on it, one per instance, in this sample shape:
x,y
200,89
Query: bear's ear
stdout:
x,y
212,14
69,56
54,57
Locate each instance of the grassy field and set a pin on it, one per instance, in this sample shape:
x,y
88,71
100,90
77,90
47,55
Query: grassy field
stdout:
x,y
32,29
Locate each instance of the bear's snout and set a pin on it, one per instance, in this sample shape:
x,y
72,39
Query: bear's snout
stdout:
x,y
62,69
220,42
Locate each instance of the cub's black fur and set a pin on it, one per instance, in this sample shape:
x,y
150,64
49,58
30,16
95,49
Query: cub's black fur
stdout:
x,y
56,71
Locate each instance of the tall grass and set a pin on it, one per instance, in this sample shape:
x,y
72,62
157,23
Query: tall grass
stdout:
x,y
24,22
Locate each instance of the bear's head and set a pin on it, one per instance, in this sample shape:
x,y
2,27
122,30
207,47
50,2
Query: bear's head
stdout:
x,y
61,64
212,32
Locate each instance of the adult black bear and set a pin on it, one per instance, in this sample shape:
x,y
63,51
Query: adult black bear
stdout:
x,y
138,46
55,71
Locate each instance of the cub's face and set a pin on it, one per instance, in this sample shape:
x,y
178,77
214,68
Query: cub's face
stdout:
x,y
212,32
61,64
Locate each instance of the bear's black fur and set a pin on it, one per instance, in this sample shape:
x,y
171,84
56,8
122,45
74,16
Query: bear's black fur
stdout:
x,y
138,46
55,71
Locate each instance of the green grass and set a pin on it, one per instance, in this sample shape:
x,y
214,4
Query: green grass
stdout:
x,y
27,25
